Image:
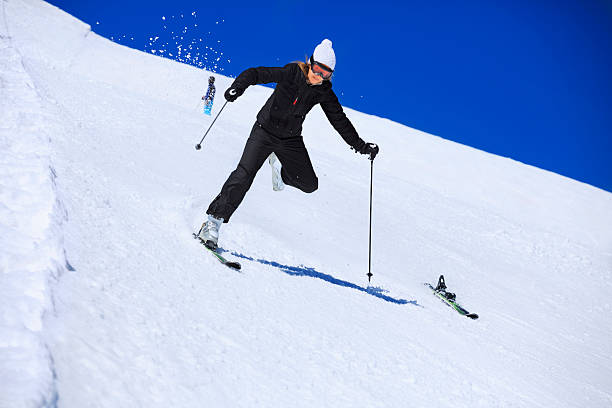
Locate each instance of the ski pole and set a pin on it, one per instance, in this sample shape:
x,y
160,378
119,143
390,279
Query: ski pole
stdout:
x,y
370,243
199,145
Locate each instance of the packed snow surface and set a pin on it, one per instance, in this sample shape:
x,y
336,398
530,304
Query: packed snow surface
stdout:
x,y
107,301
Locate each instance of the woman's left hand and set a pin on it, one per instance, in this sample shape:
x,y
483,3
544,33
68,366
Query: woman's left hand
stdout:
x,y
371,149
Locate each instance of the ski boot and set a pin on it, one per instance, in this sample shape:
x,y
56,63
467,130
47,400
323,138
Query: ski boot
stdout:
x,y
209,232
277,180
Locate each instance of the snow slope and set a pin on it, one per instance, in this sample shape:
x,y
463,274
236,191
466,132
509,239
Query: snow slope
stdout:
x,y
107,301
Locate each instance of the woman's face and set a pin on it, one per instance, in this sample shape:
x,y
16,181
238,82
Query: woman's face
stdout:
x,y
313,78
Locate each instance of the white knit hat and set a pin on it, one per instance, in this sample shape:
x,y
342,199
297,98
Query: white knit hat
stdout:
x,y
324,53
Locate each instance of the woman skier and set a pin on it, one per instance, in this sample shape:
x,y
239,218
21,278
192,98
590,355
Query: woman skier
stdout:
x,y
277,133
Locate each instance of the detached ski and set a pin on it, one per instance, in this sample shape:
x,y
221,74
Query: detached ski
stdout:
x,y
449,298
210,96
233,265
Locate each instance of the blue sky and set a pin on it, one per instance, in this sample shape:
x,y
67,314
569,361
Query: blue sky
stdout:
x,y
528,80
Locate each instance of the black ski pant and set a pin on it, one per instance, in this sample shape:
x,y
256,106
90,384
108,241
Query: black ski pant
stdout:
x,y
296,170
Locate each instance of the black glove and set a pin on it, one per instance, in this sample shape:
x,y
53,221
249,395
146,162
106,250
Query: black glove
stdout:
x,y
233,93
369,148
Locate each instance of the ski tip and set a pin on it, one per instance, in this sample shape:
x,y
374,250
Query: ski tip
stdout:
x,y
473,316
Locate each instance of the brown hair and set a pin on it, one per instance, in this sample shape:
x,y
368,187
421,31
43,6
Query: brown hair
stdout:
x,y
304,67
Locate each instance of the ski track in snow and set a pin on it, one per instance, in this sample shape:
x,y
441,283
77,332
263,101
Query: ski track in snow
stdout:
x,y
98,166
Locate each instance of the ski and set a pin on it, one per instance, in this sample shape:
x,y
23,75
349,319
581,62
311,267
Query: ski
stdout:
x,y
449,298
210,96
230,264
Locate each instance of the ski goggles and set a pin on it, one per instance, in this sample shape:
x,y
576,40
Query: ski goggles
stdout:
x,y
320,69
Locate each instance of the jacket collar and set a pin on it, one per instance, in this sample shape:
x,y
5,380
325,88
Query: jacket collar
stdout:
x,y
324,87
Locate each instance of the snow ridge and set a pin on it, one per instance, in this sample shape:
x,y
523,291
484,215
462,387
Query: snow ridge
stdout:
x,y
31,255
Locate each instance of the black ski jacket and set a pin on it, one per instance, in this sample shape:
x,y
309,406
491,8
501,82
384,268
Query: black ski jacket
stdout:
x,y
286,109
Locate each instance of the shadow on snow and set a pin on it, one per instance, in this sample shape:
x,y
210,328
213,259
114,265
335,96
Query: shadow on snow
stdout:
x,y
311,272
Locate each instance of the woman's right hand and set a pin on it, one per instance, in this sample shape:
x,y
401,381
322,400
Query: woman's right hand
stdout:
x,y
233,93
